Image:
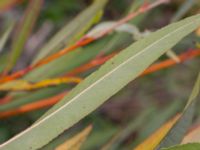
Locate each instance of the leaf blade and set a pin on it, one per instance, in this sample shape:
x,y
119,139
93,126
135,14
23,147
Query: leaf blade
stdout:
x,y
24,29
192,146
92,92
175,135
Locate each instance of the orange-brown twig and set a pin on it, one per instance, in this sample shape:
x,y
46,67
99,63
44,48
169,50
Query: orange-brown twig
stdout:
x,y
83,41
170,62
49,102
95,62
33,106
164,64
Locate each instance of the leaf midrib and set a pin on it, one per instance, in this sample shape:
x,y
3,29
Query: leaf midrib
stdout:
x,y
93,84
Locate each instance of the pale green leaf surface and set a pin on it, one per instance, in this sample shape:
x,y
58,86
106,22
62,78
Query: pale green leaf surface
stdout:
x,y
101,85
192,146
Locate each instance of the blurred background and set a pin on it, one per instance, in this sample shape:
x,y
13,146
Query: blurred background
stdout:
x,y
133,113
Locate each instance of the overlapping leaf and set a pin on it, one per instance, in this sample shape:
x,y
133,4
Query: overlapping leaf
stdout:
x,y
176,134
101,85
75,142
192,146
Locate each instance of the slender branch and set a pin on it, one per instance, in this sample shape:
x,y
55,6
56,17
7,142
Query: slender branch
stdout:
x,y
33,106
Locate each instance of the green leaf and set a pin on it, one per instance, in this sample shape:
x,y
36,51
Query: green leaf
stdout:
x,y
5,36
184,8
74,29
192,146
176,134
101,85
3,61
24,29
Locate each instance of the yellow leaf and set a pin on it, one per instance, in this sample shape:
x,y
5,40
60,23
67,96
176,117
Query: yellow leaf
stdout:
x,y
19,85
151,142
75,142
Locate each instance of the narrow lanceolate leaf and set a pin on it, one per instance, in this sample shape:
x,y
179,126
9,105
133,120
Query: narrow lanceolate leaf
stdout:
x,y
177,132
193,136
101,85
178,125
151,142
74,29
20,85
184,8
192,146
75,142
5,36
24,29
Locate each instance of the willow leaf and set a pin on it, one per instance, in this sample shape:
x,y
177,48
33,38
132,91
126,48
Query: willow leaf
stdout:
x,y
192,146
5,36
177,132
101,85
24,29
